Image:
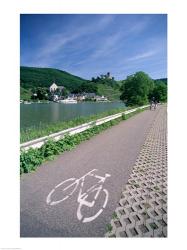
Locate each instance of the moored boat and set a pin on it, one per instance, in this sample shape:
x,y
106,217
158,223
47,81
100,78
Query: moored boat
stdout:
x,y
68,101
26,102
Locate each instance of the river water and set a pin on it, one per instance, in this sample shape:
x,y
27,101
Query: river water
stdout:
x,y
36,114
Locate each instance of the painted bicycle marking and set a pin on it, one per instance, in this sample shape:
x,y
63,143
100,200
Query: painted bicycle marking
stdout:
x,y
72,184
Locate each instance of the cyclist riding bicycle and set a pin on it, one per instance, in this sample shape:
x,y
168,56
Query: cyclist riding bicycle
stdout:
x,y
153,103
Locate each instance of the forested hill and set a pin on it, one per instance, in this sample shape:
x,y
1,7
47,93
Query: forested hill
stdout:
x,y
165,80
31,77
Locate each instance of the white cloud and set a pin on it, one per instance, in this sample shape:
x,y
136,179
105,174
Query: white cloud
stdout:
x,y
143,55
111,43
98,45
55,43
107,46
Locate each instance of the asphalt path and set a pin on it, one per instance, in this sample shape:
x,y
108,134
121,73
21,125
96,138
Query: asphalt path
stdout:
x,y
112,152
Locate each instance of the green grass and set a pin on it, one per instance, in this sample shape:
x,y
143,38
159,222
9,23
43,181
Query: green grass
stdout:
x,y
31,133
47,129
114,216
109,228
31,159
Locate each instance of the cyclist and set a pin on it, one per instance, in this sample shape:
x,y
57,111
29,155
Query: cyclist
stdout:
x,y
152,103
155,104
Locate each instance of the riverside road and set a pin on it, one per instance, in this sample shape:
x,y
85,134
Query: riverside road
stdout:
x,y
76,194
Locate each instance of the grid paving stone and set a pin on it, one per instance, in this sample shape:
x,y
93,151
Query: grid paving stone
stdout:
x,y
142,210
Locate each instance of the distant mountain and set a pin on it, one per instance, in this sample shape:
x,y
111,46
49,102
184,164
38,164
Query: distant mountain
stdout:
x,y
31,77
165,80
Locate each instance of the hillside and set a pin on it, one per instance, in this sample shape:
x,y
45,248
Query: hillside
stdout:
x,y
31,77
25,94
111,93
165,80
43,77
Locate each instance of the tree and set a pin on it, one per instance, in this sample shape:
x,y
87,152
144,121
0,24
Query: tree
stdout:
x,y
159,92
65,92
41,93
88,87
136,88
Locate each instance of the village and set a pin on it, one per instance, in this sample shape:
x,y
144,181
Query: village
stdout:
x,y
56,95
55,91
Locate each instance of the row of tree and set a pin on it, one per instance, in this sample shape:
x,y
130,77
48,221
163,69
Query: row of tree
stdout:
x,y
92,86
88,87
139,89
42,93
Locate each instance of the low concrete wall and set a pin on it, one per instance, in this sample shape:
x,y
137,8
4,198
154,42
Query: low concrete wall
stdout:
x,y
37,143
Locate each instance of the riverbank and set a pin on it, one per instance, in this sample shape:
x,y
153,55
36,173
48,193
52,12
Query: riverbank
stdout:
x,y
37,115
34,132
31,159
30,102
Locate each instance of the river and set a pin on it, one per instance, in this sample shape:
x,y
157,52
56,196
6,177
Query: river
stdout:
x,y
36,114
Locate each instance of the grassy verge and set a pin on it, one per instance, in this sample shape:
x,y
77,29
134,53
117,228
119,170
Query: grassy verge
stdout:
x,y
30,160
47,129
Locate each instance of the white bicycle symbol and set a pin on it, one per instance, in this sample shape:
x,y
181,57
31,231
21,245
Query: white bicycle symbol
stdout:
x,y
70,185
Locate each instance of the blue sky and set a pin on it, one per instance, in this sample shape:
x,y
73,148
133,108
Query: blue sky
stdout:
x,y
88,45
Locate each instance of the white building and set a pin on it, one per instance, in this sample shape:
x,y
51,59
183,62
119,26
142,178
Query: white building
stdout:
x,y
54,87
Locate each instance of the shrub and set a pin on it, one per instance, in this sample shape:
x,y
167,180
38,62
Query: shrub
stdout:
x,y
30,160
34,157
49,149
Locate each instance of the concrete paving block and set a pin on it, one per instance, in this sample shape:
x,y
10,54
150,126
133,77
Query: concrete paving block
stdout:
x,y
143,205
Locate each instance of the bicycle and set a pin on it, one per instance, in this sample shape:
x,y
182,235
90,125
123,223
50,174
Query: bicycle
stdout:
x,y
151,106
82,197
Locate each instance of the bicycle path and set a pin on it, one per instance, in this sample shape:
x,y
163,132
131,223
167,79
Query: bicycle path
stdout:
x,y
112,152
